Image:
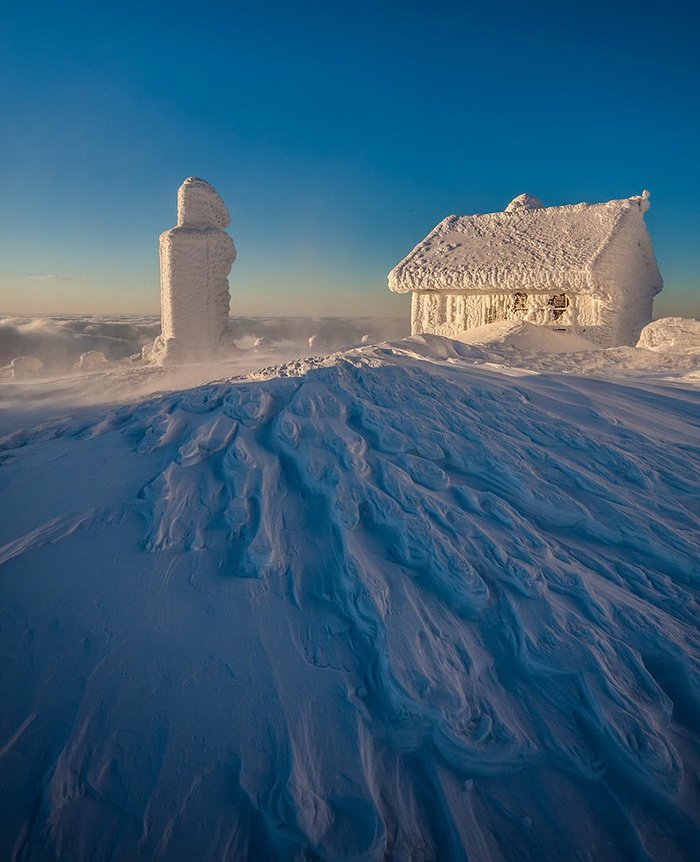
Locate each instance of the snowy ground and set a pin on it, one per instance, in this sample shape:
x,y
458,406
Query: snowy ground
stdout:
x,y
62,386
424,600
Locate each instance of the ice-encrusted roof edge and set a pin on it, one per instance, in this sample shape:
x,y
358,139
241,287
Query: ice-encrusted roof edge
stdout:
x,y
410,275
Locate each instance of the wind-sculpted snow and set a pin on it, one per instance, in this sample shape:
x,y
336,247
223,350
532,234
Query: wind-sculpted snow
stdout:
x,y
373,606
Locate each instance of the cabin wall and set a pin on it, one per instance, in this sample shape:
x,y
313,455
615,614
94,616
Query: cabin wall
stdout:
x,y
627,267
595,320
448,314
445,314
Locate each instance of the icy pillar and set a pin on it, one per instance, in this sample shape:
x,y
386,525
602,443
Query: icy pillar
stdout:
x,y
195,260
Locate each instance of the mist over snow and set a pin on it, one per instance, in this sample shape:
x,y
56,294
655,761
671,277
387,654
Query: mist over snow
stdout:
x,y
59,341
427,599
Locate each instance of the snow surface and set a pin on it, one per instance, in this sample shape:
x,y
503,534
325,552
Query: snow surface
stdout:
x,y
671,335
61,384
525,337
386,604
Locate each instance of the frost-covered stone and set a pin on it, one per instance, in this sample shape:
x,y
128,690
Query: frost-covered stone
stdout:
x,y
195,259
584,268
671,335
25,366
91,360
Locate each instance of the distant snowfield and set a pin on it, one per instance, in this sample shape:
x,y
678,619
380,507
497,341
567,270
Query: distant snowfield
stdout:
x,y
422,600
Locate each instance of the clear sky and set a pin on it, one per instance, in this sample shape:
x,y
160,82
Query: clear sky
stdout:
x,y
338,134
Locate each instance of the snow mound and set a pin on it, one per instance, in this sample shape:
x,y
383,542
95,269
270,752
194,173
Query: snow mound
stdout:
x,y
524,201
93,359
389,607
671,335
525,336
25,366
507,351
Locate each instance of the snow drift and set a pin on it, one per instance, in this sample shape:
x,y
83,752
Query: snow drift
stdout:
x,y
382,605
525,337
672,335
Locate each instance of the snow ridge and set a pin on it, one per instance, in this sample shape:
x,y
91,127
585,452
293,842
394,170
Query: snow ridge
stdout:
x,y
378,606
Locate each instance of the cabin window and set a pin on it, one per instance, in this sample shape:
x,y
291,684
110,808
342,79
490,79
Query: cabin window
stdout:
x,y
519,302
558,304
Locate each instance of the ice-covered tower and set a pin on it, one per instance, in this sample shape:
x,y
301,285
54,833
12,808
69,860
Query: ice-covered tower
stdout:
x,y
195,260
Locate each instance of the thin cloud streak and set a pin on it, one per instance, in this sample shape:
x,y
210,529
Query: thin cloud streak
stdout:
x,y
55,277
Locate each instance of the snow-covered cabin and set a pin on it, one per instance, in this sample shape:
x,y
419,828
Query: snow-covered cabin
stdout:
x,y
584,268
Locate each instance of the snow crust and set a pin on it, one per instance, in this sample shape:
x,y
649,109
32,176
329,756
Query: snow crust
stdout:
x,y
526,337
671,335
524,201
387,604
525,248
195,260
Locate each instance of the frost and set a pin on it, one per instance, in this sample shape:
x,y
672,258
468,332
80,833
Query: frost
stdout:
x,y
583,268
671,335
195,259
92,360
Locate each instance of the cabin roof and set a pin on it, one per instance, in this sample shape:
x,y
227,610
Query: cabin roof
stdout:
x,y
526,247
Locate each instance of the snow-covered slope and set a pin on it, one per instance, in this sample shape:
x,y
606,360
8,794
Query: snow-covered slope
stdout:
x,y
383,605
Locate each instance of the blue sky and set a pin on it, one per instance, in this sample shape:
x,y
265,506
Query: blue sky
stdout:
x,y
338,135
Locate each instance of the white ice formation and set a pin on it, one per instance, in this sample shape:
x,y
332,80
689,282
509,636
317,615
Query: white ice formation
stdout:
x,y
584,268
25,366
92,360
195,259
671,335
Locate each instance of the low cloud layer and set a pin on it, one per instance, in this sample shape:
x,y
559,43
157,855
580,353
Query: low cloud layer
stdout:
x,y
59,341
